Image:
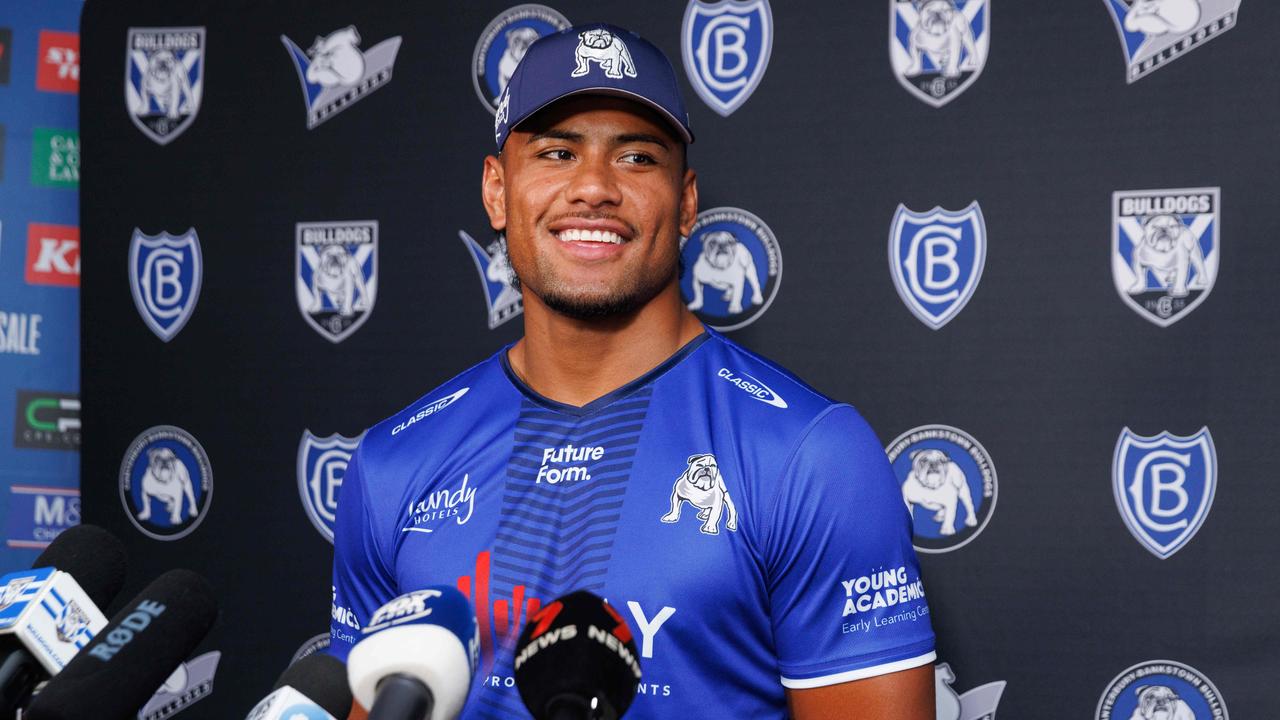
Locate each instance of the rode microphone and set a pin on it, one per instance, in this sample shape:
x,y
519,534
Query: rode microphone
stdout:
x,y
417,657
138,650
48,613
314,688
576,659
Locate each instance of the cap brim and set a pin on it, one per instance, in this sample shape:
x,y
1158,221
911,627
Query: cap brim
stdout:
x,y
681,132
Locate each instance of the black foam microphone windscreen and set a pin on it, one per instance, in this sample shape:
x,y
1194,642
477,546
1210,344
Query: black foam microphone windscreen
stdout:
x,y
323,679
576,658
91,555
116,673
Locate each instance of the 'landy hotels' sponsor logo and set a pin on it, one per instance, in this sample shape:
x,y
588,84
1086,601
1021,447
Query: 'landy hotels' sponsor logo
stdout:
x,y
458,503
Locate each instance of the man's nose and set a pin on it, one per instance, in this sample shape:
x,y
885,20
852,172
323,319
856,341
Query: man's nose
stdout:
x,y
594,183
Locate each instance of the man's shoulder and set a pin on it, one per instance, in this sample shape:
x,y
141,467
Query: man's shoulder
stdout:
x,y
760,381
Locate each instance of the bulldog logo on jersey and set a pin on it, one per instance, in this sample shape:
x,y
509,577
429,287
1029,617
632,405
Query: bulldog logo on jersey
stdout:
x,y
948,483
936,259
1154,32
322,462
503,44
979,703
164,79
165,273
166,483
938,48
726,48
501,288
732,268
1164,250
1161,690
702,486
335,73
1164,487
336,278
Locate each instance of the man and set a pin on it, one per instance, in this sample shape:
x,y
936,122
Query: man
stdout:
x,y
749,529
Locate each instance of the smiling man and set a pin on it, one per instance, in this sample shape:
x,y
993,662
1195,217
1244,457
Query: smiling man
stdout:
x,y
749,528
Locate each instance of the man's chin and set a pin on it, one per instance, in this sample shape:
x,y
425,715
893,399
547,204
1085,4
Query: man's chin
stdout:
x,y
592,307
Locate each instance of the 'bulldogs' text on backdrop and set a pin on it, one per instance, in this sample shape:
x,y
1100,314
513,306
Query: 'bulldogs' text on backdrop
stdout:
x,y
948,483
732,268
165,272
166,483
1154,32
938,48
322,462
1164,486
336,275
503,44
164,79
936,260
726,47
1161,690
335,74
1164,250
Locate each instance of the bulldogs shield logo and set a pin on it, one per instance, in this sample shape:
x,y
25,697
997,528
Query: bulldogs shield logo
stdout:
x,y
164,274
948,484
335,74
166,483
1154,32
336,278
501,291
20,588
1161,690
322,461
164,79
1164,250
72,624
726,48
936,259
1164,487
732,268
503,44
938,48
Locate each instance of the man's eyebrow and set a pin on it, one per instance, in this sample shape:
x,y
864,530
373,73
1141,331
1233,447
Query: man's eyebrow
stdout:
x,y
557,134
642,137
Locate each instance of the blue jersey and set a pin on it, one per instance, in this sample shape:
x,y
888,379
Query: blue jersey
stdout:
x,y
748,528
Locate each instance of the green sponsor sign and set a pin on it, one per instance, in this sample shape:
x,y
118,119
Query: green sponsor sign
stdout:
x,y
55,158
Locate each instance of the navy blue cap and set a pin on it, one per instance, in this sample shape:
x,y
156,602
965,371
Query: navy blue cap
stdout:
x,y
593,59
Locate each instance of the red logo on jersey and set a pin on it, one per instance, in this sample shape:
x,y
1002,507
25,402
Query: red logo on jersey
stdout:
x,y
500,620
53,255
58,65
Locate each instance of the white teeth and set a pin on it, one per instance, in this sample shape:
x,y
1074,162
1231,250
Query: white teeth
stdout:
x,y
600,236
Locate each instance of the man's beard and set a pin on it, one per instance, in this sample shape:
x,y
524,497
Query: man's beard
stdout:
x,y
622,301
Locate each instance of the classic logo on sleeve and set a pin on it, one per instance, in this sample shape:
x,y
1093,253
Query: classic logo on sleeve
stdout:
x,y
1165,250
322,463
726,47
1164,487
501,289
936,260
336,275
948,483
166,483
703,487
938,48
1161,690
1155,32
53,255
164,80
58,62
503,44
335,74
732,268
165,272
190,683
979,703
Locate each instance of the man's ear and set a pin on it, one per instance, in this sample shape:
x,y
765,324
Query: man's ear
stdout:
x,y
493,191
688,202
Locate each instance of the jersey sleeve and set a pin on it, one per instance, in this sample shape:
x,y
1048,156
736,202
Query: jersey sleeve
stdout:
x,y
362,581
847,601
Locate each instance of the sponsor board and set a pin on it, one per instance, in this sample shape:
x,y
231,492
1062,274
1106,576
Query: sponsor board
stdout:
x,y
46,420
37,515
58,62
53,255
55,158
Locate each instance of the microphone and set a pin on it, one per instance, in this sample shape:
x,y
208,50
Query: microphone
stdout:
x,y
124,663
314,688
417,657
576,659
48,613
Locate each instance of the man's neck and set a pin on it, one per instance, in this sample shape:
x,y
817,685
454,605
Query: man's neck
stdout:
x,y
576,361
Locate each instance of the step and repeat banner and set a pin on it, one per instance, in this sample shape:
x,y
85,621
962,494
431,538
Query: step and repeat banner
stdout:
x,y
39,276
1033,242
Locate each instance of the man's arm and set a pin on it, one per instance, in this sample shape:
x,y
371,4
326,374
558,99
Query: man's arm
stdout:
x,y
903,695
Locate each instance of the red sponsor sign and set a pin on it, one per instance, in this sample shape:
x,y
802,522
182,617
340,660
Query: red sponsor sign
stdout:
x,y
53,255
58,64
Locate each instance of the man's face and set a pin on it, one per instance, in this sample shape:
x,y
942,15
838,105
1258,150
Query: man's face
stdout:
x,y
593,197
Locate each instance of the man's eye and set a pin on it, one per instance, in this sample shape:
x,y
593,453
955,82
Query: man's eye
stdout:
x,y
557,155
638,158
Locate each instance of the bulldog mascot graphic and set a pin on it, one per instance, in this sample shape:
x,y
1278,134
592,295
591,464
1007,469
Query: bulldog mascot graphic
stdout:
x,y
702,486
1170,251
335,59
165,82
936,483
602,46
338,279
1157,17
168,481
1157,702
518,41
943,33
725,264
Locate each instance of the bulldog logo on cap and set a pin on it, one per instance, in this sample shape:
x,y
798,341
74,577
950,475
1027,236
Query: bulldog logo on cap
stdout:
x,y
601,46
